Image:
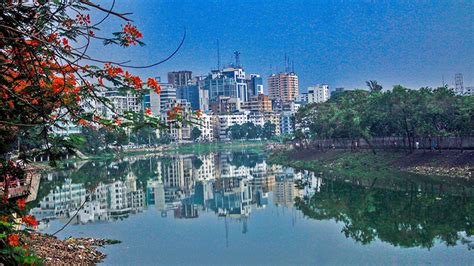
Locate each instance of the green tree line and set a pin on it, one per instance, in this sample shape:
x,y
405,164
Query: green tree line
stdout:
x,y
251,131
424,115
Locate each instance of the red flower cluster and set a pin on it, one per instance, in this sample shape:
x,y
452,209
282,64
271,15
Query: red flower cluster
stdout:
x,y
198,113
132,34
135,81
83,19
13,240
67,23
21,203
53,37
30,221
172,114
66,44
82,122
153,84
113,71
148,111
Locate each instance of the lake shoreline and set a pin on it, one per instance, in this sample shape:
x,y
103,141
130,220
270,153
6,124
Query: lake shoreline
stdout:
x,y
183,148
75,251
445,164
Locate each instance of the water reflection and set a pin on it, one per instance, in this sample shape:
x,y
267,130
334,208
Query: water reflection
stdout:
x,y
402,213
229,184
417,216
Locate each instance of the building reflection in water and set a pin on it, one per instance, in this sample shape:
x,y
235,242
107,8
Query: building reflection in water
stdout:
x,y
228,184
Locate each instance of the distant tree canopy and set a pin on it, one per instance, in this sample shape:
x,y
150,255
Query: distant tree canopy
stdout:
x,y
401,112
251,131
195,133
374,86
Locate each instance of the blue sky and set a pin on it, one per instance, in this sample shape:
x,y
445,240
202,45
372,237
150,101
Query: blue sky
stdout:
x,y
341,43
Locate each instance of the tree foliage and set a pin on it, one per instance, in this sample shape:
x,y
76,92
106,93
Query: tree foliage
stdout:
x,y
195,133
411,114
251,131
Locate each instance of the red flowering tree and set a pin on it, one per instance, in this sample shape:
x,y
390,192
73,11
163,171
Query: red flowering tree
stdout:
x,y
48,80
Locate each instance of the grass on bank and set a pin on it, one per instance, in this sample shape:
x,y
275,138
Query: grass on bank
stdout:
x,y
219,146
248,145
346,164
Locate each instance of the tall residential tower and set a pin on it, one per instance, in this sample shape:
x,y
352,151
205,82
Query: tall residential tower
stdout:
x,y
283,86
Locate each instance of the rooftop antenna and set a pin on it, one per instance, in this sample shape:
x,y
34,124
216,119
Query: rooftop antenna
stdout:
x,y
286,63
218,56
237,58
293,66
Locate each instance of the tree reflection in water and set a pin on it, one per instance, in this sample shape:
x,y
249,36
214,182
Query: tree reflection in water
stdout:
x,y
401,218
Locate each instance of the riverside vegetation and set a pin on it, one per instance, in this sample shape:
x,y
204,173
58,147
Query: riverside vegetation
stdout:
x,y
406,130
398,118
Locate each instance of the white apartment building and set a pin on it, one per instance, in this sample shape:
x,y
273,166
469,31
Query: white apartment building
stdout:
x,y
226,121
257,118
128,102
318,93
206,125
303,97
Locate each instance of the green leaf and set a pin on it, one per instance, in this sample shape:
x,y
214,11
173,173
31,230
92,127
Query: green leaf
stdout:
x,y
6,224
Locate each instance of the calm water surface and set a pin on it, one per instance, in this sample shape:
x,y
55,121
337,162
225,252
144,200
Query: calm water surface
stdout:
x,y
234,208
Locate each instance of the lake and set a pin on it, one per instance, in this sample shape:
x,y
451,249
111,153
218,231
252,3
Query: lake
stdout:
x,y
234,208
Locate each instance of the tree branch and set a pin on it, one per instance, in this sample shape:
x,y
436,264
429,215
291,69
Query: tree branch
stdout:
x,y
122,16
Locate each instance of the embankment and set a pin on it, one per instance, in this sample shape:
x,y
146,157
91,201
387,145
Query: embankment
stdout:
x,y
443,165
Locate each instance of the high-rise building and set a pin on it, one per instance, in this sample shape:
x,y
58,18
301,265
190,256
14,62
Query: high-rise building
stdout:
x,y
259,103
203,99
459,84
228,82
189,93
167,96
283,86
226,105
180,78
254,85
318,93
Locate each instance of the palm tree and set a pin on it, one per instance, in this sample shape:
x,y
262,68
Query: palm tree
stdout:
x,y
374,86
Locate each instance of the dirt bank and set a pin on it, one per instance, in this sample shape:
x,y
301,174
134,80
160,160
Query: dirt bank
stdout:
x,y
445,163
71,251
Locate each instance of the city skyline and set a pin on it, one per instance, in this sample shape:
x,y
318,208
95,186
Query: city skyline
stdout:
x,y
412,44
